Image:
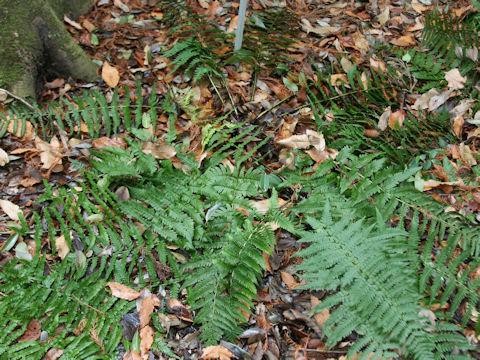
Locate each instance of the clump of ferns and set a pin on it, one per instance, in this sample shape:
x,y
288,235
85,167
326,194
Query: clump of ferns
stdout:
x,y
449,37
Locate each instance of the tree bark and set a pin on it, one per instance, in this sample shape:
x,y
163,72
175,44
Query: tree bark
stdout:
x,y
34,41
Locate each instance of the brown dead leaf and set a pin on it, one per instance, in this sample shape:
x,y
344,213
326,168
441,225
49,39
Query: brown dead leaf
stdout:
x,y
338,79
322,316
378,65
62,246
466,155
455,79
395,120
146,341
360,41
180,310
289,280
122,292
112,142
159,151
110,75
10,209
263,205
423,101
216,352
371,133
321,155
457,124
440,99
233,24
310,138
148,304
384,16
53,354
32,333
383,121
321,31
132,355
431,184
405,40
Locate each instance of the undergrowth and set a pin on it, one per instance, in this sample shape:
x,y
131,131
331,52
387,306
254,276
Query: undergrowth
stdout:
x,y
385,253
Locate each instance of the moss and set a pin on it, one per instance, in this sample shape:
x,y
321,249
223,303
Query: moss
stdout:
x,y
34,40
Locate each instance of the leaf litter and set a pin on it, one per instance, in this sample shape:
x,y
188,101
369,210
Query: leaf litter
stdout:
x,y
126,37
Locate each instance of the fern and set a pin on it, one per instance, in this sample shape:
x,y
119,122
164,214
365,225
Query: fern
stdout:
x,y
91,111
448,38
373,267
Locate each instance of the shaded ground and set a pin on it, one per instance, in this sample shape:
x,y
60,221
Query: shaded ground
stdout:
x,y
131,39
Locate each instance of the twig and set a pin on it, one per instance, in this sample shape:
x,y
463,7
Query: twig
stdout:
x,y
23,101
89,306
273,106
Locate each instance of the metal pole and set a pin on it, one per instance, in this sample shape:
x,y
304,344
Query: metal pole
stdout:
x,y
241,25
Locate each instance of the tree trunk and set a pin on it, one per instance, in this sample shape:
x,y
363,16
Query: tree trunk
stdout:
x,y
33,41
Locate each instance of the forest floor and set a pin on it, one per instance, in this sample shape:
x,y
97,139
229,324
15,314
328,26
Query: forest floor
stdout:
x,y
343,40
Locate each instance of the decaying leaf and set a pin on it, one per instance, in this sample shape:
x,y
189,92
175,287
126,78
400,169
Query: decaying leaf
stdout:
x,y
32,333
110,75
146,341
10,209
383,121
159,151
62,246
216,352
122,292
148,304
289,280
455,79
53,354
321,31
3,157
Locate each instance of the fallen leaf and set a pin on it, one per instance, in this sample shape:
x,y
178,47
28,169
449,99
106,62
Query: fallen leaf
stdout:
x,y
110,75
322,316
422,102
146,341
216,352
338,79
10,209
3,157
455,79
440,99
360,41
262,206
29,131
122,292
289,280
383,120
395,120
346,64
148,304
405,40
371,133
384,16
467,155
159,151
233,24
112,142
132,355
310,138
21,252
53,354
32,333
457,123
62,246
321,31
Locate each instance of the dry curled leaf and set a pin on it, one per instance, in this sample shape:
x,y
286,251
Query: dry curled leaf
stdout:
x,y
159,151
122,292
